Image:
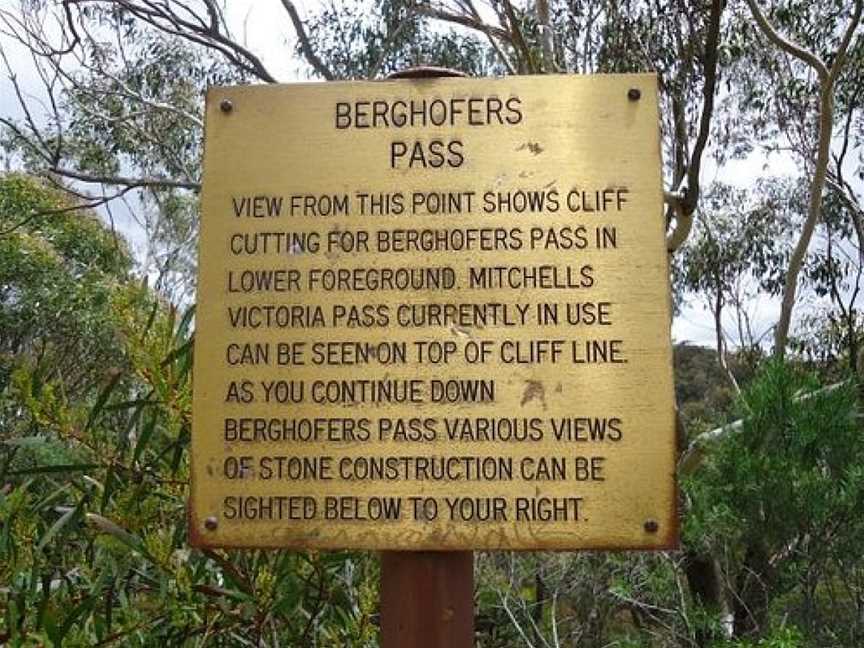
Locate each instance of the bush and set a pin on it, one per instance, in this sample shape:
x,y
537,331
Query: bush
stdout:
x,y
782,502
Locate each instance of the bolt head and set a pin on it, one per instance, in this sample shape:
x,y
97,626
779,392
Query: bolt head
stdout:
x,y
211,523
226,106
651,526
634,94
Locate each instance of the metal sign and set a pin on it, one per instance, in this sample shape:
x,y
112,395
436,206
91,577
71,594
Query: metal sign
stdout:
x,y
434,314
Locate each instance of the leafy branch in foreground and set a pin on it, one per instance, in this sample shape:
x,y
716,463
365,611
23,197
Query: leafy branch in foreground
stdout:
x,y
95,405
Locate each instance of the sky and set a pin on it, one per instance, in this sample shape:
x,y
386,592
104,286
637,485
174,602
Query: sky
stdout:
x,y
265,28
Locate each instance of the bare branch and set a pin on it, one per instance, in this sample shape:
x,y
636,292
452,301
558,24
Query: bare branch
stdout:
x,y
206,33
305,46
126,182
471,22
820,168
90,202
70,23
22,103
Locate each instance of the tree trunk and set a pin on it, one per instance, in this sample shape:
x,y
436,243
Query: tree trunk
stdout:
x,y
754,583
706,586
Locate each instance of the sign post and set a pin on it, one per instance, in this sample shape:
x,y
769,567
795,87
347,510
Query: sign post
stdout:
x,y
427,598
433,316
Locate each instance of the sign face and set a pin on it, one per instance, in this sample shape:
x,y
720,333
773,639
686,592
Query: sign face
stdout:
x,y
434,314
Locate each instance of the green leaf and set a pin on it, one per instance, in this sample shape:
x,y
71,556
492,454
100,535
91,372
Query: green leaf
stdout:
x,y
103,398
26,442
56,527
84,608
144,439
185,321
179,351
114,530
36,470
150,319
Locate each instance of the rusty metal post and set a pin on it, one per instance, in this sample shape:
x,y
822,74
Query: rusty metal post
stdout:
x,y
427,597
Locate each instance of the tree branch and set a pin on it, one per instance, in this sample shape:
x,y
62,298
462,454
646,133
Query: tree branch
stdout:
x,y
787,45
505,61
466,21
683,221
126,182
826,122
840,56
206,33
856,213
518,39
305,46
712,40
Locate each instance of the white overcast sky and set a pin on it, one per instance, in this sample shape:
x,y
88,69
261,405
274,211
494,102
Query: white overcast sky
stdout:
x,y
264,27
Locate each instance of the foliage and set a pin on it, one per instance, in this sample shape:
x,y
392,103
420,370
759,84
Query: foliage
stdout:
x,y
782,501
587,599
702,391
362,40
741,244
58,270
785,637
94,431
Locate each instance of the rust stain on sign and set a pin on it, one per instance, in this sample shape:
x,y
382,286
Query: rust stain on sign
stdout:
x,y
403,343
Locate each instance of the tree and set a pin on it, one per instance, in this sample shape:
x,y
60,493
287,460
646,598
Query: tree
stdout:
x,y
737,252
781,504
124,81
816,151
58,271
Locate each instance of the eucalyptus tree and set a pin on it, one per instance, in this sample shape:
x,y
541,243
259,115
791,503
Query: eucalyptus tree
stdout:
x,y
802,92
737,254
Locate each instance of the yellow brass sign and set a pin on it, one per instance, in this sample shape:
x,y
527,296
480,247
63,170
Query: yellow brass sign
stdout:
x,y
434,314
